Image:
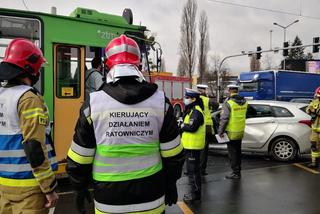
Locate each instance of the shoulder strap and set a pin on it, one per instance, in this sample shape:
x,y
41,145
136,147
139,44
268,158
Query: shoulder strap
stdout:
x,y
90,75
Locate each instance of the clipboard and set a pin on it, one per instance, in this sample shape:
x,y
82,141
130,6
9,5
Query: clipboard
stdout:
x,y
223,139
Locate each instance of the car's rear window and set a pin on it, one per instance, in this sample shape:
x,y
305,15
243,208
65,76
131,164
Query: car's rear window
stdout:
x,y
281,112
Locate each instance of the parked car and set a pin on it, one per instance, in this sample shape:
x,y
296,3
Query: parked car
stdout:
x,y
276,128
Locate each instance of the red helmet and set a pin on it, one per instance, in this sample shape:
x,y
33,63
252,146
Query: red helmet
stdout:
x,y
317,92
24,54
122,50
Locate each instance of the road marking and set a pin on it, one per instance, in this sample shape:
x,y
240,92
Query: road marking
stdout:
x,y
185,209
51,211
306,168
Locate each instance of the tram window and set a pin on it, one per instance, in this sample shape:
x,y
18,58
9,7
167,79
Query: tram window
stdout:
x,y
92,52
20,27
68,72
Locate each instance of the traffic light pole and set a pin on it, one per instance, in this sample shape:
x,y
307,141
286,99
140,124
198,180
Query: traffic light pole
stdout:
x,y
249,53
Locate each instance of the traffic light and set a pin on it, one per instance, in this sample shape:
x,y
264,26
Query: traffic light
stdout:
x,y
315,48
258,54
285,51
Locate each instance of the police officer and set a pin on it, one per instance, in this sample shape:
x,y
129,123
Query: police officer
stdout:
x,y
127,139
209,105
27,180
232,121
313,110
193,140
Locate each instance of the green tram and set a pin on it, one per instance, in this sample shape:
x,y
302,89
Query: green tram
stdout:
x,y
69,43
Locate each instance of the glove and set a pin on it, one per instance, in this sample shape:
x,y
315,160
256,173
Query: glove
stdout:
x,y
171,195
81,195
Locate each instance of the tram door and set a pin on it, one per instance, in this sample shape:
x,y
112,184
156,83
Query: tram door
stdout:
x,y
69,94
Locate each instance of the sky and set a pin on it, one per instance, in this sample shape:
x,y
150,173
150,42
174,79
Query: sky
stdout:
x,y
232,28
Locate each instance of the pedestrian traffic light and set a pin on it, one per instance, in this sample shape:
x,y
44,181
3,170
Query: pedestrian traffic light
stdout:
x,y
258,52
315,48
285,51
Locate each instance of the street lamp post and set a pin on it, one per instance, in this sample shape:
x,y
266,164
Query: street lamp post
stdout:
x,y
270,39
284,36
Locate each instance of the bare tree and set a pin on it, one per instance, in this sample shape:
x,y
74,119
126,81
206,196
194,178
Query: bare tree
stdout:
x,y
268,62
203,45
254,63
182,66
188,36
212,75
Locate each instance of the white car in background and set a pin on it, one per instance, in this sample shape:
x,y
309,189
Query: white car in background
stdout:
x,y
279,129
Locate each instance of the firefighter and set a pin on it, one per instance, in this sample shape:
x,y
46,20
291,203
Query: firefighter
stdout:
x,y
313,110
127,139
232,121
209,105
27,180
193,140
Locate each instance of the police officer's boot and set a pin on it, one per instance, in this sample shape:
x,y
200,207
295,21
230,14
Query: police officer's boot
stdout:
x,y
192,198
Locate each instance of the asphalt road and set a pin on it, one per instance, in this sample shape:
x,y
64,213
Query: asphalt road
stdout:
x,y
218,167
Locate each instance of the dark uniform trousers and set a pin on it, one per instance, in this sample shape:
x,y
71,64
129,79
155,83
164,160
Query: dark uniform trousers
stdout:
x,y
204,152
194,173
234,151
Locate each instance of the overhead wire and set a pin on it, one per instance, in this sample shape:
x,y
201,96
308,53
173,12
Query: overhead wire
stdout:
x,y
266,9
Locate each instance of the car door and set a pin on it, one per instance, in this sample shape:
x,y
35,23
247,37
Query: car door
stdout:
x,y
260,125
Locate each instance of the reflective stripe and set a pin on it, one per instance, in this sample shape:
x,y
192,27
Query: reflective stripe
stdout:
x,y
158,210
172,152
129,150
128,165
18,153
86,113
18,182
123,160
15,167
43,175
34,115
122,48
89,120
12,153
315,154
129,208
53,160
21,167
32,111
171,144
82,150
78,158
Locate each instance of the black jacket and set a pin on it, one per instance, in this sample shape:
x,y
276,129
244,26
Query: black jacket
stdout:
x,y
127,91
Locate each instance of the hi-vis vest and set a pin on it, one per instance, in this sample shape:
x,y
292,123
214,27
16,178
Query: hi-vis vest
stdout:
x,y
15,169
207,113
127,137
237,120
194,140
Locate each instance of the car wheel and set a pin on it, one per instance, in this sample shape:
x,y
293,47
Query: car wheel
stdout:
x,y
283,149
